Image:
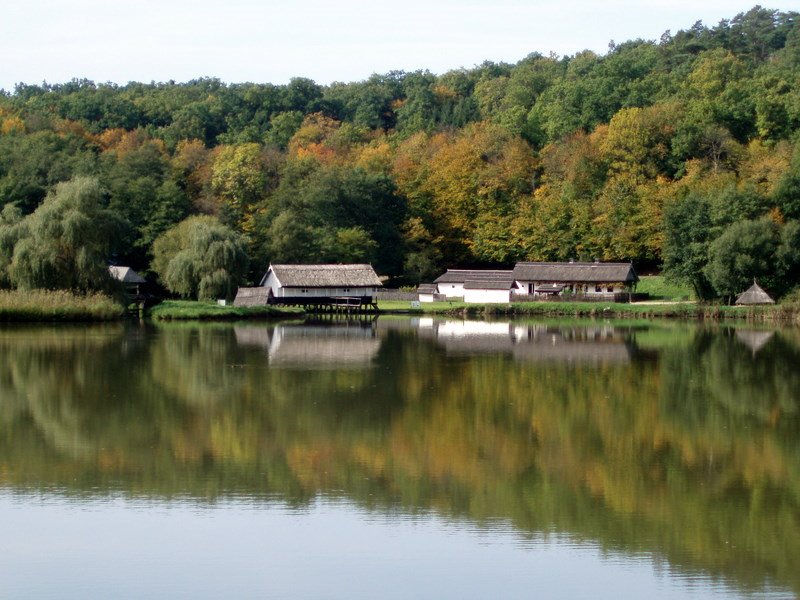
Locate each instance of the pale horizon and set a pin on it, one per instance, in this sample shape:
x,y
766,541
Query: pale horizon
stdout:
x,y
271,42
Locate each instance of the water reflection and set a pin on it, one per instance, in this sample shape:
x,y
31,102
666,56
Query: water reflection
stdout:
x,y
672,441
314,345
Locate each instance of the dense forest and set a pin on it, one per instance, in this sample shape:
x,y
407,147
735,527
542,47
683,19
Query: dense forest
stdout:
x,y
681,153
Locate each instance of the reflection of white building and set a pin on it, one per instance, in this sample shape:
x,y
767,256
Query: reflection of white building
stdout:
x,y
593,344
313,346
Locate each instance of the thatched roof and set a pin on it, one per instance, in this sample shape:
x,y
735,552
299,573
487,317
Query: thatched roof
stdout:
x,y
256,296
582,272
426,288
754,295
494,284
462,275
126,275
324,276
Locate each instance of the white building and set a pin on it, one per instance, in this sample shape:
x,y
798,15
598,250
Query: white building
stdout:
x,y
451,283
427,292
488,292
314,281
579,278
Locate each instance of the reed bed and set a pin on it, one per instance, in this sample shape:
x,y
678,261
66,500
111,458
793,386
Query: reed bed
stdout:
x,y
183,310
58,305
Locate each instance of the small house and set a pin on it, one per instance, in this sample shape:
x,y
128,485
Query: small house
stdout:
x,y
316,281
426,292
451,283
129,279
753,296
580,278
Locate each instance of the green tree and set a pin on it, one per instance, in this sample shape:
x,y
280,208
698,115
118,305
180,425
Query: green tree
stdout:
x,y
745,250
687,225
67,242
239,178
200,258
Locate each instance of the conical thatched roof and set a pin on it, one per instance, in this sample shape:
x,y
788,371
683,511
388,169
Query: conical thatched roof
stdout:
x,y
754,295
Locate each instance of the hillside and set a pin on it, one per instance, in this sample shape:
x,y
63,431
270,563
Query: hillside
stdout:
x,y
681,153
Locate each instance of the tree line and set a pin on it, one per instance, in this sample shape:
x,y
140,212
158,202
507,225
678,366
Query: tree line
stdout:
x,y
681,153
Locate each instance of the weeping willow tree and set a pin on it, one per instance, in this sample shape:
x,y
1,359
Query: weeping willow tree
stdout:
x,y
200,258
64,244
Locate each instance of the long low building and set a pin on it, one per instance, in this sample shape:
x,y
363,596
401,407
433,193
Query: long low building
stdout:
x,y
579,278
310,281
315,285
537,279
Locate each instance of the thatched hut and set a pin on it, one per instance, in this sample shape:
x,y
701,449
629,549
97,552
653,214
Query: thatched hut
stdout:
x,y
754,295
129,279
252,296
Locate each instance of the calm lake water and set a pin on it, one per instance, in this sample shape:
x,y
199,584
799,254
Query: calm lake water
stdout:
x,y
401,458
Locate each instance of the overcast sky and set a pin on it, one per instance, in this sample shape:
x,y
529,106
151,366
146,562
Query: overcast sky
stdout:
x,y
326,40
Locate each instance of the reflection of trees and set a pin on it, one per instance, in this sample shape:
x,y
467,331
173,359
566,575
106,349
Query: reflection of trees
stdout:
x,y
694,454
37,365
199,366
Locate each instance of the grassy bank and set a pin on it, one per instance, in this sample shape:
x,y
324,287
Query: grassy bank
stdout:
x,y
175,310
40,305
780,313
659,288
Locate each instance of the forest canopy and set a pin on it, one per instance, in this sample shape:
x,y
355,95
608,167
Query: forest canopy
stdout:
x,y
659,152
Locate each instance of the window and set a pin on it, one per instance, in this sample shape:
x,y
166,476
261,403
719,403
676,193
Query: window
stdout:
x,y
598,289
610,289
304,291
346,289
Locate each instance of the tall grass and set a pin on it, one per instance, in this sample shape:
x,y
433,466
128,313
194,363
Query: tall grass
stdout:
x,y
59,305
177,310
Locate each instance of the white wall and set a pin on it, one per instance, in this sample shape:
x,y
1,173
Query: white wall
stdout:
x,y
272,282
487,296
451,290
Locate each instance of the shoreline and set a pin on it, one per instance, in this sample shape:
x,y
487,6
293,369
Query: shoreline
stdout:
x,y
783,314
55,307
